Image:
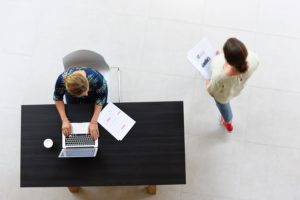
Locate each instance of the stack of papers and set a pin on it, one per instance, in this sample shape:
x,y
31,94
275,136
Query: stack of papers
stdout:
x,y
200,56
115,121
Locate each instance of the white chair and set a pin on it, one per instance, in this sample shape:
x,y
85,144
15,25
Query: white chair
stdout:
x,y
96,61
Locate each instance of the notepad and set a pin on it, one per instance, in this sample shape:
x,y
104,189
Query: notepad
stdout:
x,y
115,121
200,56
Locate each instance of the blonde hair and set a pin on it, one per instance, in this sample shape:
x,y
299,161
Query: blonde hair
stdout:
x,y
76,84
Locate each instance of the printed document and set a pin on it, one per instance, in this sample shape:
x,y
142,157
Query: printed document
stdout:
x,y
200,56
115,121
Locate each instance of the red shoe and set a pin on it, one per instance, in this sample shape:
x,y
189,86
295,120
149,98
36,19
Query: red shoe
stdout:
x,y
227,125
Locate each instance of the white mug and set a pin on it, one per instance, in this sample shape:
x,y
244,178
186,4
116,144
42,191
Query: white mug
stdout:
x,y
48,143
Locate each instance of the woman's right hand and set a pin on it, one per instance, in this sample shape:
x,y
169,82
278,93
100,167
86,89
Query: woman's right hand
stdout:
x,y
66,128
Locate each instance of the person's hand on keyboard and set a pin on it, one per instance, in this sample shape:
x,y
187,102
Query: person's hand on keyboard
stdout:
x,y
93,130
66,128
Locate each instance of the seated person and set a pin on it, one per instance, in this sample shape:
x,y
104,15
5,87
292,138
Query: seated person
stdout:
x,y
80,85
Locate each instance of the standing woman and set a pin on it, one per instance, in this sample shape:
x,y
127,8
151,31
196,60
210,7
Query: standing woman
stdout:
x,y
80,85
230,71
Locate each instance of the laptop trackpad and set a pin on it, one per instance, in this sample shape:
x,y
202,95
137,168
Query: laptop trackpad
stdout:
x,y
78,152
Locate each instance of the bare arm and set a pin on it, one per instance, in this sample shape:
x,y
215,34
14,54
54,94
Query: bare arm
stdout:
x,y
66,126
96,114
60,106
207,82
93,127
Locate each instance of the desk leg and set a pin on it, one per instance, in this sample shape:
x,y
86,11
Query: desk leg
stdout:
x,y
73,189
151,189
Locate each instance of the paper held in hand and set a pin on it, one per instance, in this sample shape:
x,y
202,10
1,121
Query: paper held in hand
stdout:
x,y
200,56
115,121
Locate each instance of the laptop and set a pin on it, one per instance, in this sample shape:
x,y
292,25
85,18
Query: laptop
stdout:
x,y
79,144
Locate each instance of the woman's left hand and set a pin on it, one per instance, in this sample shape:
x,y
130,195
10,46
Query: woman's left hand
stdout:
x,y
93,130
207,82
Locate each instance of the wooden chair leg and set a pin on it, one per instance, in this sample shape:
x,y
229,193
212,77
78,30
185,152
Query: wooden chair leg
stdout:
x,y
151,189
73,189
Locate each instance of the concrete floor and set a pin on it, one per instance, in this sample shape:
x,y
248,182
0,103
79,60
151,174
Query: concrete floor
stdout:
x,y
149,40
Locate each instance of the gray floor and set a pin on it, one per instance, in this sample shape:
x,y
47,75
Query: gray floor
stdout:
x,y
148,40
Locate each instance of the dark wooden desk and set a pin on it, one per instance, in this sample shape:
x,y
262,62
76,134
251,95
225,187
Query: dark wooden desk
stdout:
x,y
152,153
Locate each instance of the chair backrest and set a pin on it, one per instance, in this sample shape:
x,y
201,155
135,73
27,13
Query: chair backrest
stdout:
x,y
89,59
86,58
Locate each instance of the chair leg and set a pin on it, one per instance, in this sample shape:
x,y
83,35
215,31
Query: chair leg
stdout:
x,y
151,189
119,84
74,189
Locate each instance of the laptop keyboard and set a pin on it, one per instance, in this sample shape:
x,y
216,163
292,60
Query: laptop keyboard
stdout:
x,y
79,140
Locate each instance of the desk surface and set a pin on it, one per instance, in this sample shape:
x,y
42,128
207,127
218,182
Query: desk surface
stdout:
x,y
151,153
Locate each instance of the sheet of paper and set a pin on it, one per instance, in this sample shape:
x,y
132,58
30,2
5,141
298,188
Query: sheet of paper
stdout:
x,y
115,121
80,127
200,56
